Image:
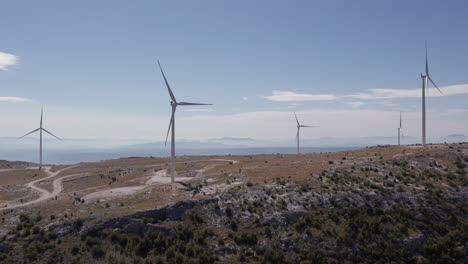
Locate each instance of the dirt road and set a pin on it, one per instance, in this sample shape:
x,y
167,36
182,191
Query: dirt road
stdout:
x,y
44,194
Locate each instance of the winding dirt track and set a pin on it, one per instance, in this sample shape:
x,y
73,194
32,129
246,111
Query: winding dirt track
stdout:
x,y
160,177
44,194
58,186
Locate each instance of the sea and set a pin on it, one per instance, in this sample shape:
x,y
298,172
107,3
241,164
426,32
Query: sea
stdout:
x,y
66,157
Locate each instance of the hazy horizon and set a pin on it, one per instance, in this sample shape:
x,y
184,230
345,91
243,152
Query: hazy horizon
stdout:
x,y
82,150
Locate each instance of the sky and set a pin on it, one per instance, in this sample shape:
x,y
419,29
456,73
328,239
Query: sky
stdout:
x,y
346,67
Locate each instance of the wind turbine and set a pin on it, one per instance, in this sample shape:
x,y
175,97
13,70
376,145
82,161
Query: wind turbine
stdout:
x,y
425,77
399,131
40,129
171,128
297,135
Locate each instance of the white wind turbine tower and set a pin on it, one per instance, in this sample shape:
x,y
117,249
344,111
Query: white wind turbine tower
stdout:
x,y
174,105
297,135
40,129
425,77
400,134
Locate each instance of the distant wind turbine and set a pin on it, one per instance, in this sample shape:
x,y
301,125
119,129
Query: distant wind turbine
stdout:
x,y
174,105
297,135
425,77
400,133
40,129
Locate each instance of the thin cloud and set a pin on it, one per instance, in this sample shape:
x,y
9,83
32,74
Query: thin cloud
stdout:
x,y
451,112
355,104
372,94
329,122
457,110
69,123
245,98
281,124
409,93
286,96
294,105
14,99
7,60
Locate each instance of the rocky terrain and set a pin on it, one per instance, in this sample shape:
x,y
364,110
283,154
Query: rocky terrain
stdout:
x,y
4,164
409,208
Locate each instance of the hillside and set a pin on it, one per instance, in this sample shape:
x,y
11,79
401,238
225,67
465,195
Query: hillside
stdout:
x,y
383,204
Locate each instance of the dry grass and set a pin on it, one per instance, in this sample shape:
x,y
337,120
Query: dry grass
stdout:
x,y
257,169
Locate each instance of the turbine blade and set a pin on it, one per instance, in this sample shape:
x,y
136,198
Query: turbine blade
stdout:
x,y
185,103
41,113
29,133
51,134
167,84
307,126
427,65
169,128
429,77
297,120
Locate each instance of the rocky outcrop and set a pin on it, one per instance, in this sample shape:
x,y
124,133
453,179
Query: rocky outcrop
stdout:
x,y
174,212
145,221
131,226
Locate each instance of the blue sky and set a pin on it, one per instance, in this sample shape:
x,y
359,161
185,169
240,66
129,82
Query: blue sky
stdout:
x,y
93,66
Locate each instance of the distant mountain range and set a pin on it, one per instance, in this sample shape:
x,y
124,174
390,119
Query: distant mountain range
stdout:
x,y
71,151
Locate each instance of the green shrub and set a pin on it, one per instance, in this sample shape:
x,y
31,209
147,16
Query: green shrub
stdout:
x,y
75,250
229,212
78,224
97,252
36,230
273,256
24,218
246,239
233,224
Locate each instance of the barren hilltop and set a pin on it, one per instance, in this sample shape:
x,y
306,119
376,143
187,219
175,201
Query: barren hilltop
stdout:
x,y
381,204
